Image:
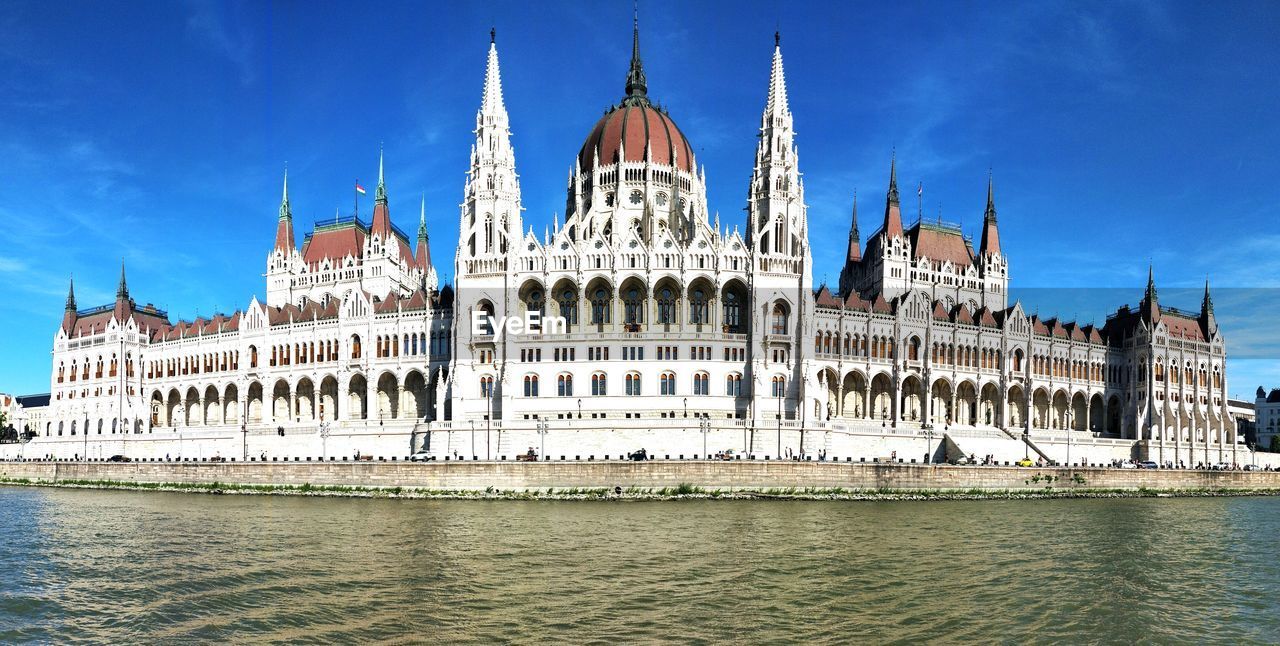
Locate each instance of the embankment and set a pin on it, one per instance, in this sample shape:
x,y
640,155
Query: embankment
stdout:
x,y
702,476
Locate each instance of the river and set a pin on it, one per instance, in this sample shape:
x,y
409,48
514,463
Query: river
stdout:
x,y
129,567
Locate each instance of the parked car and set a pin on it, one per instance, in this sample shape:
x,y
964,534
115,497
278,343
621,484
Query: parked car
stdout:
x,y
1148,464
1025,462
119,458
420,456
1128,465
1252,467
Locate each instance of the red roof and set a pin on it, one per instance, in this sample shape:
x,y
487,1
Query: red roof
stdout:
x,y
940,244
1182,327
334,244
639,126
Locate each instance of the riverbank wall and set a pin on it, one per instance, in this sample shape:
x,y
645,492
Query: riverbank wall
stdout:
x,y
706,475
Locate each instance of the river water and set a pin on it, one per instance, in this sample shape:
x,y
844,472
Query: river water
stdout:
x,y
129,567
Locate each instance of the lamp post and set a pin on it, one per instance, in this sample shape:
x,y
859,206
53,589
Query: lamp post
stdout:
x,y
704,424
473,437
780,394
1070,418
542,433
686,406
928,444
488,421
324,444
579,408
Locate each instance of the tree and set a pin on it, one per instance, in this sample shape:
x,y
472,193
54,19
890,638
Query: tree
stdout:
x,y
1275,444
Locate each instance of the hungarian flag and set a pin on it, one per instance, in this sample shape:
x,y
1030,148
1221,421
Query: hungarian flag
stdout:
x,y
359,188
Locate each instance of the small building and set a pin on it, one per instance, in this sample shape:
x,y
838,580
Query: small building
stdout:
x,y
1266,409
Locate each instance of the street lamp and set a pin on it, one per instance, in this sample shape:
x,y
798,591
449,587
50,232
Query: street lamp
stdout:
x,y
324,436
542,432
704,424
579,408
488,420
928,444
686,406
780,394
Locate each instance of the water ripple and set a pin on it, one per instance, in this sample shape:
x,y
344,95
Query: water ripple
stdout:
x,y
104,566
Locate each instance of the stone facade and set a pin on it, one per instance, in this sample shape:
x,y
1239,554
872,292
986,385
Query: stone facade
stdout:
x,y
676,329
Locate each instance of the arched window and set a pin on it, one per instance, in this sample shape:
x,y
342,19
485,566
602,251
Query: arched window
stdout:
x,y
732,311
564,386
599,384
779,386
633,384
733,385
600,307
666,306
486,386
701,384
698,307
531,385
535,301
667,383
779,319
569,306
633,307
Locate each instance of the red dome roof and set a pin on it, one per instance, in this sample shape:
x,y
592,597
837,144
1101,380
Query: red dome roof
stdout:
x,y
635,127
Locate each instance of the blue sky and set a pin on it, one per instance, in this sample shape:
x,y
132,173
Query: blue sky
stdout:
x,y
1118,133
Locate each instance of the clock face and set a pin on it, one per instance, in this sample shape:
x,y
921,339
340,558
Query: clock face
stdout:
x,y
636,197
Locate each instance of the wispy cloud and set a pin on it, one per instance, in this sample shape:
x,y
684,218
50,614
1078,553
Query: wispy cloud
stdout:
x,y
210,26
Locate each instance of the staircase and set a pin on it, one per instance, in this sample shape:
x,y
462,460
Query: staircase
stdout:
x,y
1029,443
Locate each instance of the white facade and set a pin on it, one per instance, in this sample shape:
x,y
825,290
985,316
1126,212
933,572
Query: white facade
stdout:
x,y
683,336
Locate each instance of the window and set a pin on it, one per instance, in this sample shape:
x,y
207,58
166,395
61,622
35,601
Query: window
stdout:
x,y
733,385
564,385
666,306
599,384
633,307
531,385
600,307
701,384
569,306
667,383
779,319
486,386
732,311
698,307
633,384
779,386
535,301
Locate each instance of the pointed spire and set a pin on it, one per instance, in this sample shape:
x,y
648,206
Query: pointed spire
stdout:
x,y
381,193
777,81
284,224
854,253
1151,283
637,88
1206,306
71,295
122,290
423,253
381,213
990,245
491,103
892,209
1150,307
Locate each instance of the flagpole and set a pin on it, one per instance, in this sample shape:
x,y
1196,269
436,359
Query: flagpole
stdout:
x,y
356,192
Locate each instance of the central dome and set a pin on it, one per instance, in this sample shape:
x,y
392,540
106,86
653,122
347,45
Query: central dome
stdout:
x,y
636,127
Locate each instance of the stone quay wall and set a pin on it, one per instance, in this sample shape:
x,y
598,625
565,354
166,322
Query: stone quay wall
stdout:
x,y
710,475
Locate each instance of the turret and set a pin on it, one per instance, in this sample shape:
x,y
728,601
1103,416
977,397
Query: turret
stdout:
x,y
853,253
1150,306
1207,319
69,315
423,253
990,232
776,195
892,208
381,227
124,305
284,224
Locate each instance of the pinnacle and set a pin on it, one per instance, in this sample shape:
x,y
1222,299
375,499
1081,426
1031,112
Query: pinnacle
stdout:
x,y
777,81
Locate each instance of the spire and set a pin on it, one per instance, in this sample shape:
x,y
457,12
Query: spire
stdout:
x,y
1150,306
990,232
71,295
423,252
1206,306
777,81
381,213
381,193
637,88
491,103
854,254
892,209
284,225
122,290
